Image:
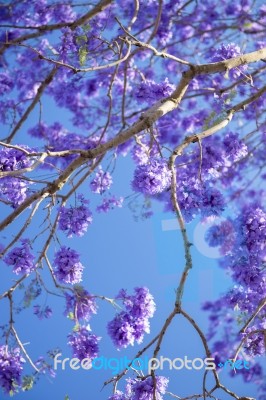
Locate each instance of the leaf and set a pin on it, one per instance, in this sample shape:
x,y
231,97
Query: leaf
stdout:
x,y
70,315
67,397
27,383
81,38
83,55
86,28
76,328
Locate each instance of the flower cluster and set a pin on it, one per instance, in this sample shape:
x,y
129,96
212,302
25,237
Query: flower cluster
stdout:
x,y
234,148
245,266
152,91
68,266
226,51
141,154
10,369
75,220
222,235
130,325
13,189
118,395
84,344
6,84
14,159
142,389
109,204
101,182
42,312
21,259
152,178
195,197
82,305
254,342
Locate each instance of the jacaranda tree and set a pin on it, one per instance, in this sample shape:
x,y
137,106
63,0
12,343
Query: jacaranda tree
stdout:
x,y
177,87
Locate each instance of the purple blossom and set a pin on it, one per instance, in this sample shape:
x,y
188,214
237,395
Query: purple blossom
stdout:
x,y
152,178
6,84
84,344
254,374
234,148
44,367
109,204
142,154
68,44
143,389
254,343
101,182
21,259
152,91
121,330
68,267
13,190
63,13
13,159
42,312
139,305
222,235
212,202
59,139
130,325
118,395
226,51
74,220
81,304
10,369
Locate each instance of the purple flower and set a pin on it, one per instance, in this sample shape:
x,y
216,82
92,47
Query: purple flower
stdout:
x,y
254,343
101,182
6,84
82,304
139,305
13,190
84,344
152,178
44,367
121,330
212,202
68,267
222,235
152,91
13,159
42,312
141,154
75,220
130,325
118,396
10,369
226,51
235,149
21,259
143,389
109,204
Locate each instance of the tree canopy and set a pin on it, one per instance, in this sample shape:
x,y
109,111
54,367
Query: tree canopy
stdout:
x,y
175,88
